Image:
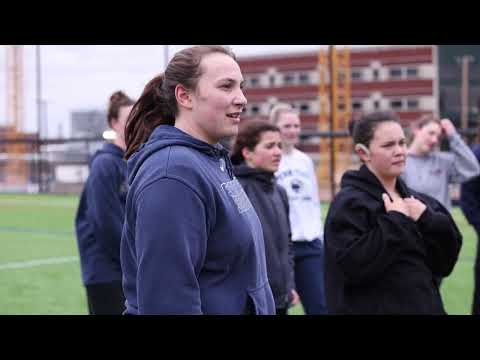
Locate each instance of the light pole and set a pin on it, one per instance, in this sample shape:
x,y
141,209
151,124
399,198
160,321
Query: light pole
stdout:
x,y
39,116
165,56
465,61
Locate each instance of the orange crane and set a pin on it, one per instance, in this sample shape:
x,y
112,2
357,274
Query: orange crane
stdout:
x,y
16,167
334,93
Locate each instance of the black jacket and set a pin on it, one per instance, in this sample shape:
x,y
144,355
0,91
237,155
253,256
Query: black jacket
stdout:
x,y
271,204
384,263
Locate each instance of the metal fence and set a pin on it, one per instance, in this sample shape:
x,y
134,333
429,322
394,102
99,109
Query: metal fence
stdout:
x,y
61,165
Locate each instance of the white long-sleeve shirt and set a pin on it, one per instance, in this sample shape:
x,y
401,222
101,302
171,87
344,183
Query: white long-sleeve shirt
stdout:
x,y
296,174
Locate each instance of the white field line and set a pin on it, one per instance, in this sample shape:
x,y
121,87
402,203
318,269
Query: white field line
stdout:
x,y
48,203
38,262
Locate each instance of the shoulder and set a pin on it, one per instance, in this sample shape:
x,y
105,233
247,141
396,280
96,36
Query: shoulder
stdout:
x,y
105,163
352,199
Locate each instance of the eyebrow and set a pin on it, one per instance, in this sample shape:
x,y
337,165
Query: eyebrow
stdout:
x,y
232,80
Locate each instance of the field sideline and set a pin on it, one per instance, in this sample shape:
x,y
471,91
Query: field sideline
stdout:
x,y
40,271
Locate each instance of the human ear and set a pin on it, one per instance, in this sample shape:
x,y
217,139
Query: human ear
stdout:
x,y
183,96
246,153
362,151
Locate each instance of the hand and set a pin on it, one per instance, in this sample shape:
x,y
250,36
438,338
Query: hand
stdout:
x,y
295,298
395,205
415,207
448,127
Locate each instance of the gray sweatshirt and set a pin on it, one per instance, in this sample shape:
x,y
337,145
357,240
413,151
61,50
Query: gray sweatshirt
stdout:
x,y
431,174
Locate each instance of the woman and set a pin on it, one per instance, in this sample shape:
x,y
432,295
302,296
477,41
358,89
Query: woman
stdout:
x,y
256,153
296,174
100,215
470,204
192,242
430,171
385,243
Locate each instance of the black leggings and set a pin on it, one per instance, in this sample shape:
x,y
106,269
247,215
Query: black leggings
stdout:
x,y
105,299
476,286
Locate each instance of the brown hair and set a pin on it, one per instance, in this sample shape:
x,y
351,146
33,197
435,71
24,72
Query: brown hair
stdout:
x,y
249,134
117,100
279,109
425,120
363,129
420,123
158,105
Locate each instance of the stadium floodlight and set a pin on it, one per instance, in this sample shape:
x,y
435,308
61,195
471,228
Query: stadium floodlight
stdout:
x,y
109,135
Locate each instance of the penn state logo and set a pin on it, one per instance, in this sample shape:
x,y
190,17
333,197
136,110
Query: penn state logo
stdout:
x,y
297,185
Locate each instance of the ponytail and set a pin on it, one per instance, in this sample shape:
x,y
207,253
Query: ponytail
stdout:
x,y
149,111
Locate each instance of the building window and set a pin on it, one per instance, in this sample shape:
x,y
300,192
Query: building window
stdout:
x,y
412,72
357,106
304,107
254,82
396,104
396,73
412,104
288,79
254,109
376,74
304,78
341,76
272,80
356,75
376,104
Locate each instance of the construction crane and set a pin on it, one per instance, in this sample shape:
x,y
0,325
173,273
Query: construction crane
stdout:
x,y
16,166
334,93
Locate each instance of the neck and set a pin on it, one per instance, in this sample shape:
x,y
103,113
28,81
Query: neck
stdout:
x,y
120,143
187,125
388,182
287,149
415,149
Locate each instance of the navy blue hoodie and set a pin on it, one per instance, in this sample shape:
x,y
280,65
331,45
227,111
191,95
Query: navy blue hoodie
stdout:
x,y
100,216
192,242
470,197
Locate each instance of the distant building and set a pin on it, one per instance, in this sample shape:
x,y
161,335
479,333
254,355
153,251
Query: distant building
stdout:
x,y
398,78
89,123
451,60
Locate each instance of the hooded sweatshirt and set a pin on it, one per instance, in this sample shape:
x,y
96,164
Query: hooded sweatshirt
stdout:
x,y
100,215
432,173
192,242
270,202
385,263
470,197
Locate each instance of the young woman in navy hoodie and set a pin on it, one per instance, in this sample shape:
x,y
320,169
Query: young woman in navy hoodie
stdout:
x,y
385,243
256,153
100,215
192,242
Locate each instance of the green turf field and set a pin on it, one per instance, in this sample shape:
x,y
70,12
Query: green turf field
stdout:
x,y
40,272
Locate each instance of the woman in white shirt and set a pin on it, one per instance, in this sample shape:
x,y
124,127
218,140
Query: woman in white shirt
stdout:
x,y
296,174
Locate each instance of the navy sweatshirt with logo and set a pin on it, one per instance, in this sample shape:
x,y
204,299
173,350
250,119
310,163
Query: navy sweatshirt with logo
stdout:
x,y
100,215
192,242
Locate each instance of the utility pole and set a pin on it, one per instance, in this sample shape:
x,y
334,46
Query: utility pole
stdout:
x,y
39,117
465,62
165,56
332,56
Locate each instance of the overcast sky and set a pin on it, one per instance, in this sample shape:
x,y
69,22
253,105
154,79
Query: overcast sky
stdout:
x,y
82,77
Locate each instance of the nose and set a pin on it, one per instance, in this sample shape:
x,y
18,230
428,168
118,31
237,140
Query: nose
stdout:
x,y
240,99
401,149
277,151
